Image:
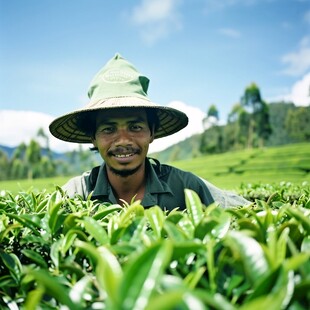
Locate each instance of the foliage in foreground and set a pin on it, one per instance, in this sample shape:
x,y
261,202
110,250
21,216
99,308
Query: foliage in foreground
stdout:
x,y
65,253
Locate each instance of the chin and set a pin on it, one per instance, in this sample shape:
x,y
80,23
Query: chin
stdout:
x,y
125,172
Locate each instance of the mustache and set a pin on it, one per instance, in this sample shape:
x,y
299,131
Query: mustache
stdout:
x,y
124,150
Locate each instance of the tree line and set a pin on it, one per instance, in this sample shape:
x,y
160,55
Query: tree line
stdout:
x,y
36,160
253,122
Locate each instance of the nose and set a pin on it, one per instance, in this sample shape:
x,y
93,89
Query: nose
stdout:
x,y
123,137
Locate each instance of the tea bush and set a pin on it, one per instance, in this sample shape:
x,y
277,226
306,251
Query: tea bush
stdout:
x,y
57,252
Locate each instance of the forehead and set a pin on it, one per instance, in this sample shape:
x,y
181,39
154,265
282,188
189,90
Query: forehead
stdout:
x,y
121,114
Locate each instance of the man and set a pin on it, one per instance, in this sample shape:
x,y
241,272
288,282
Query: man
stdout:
x,y
120,121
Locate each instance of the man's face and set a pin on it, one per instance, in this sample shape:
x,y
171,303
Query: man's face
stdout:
x,y
122,138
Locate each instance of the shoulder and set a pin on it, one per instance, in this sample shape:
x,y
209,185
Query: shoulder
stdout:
x,y
81,184
207,191
225,198
185,176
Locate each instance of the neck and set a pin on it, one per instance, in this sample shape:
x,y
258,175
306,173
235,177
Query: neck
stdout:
x,y
126,187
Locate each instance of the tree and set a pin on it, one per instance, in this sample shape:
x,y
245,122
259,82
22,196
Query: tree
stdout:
x,y
42,134
212,117
33,157
19,152
213,111
235,112
278,115
212,140
297,123
4,165
257,109
46,142
47,167
17,166
18,170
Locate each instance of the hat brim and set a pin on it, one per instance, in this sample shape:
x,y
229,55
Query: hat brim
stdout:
x,y
170,120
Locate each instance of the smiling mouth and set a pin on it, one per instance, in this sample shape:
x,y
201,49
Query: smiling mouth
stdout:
x,y
123,155
123,152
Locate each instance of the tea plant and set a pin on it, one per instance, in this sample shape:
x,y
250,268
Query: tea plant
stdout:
x,y
57,252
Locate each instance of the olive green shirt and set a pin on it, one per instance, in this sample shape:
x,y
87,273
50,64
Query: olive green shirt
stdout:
x,y
164,187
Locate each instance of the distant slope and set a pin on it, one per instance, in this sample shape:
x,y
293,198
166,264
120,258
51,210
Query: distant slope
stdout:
x,y
289,163
10,150
186,149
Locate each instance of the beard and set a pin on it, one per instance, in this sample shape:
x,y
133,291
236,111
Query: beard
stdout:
x,y
124,172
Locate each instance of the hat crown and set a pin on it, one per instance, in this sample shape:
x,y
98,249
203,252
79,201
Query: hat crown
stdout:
x,y
118,78
117,85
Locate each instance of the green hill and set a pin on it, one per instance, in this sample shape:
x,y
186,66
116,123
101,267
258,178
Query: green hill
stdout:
x,y
289,163
185,149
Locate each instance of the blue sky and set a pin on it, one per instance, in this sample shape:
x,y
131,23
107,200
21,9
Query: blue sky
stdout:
x,y
197,52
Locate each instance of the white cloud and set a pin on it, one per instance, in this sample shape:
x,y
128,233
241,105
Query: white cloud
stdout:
x,y
299,94
195,116
22,126
229,32
298,62
156,19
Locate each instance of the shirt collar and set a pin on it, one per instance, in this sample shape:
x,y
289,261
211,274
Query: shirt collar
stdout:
x,y
154,185
103,189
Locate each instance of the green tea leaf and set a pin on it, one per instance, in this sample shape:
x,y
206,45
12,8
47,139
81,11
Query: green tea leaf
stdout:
x,y
167,301
108,270
54,220
193,277
305,245
194,206
79,289
53,287
181,249
173,232
95,230
296,261
155,216
32,221
55,252
129,213
108,210
302,218
109,273
33,298
35,257
136,231
251,254
142,276
11,261
278,297
214,300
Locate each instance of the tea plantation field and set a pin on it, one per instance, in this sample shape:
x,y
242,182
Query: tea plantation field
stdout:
x,y
289,163
61,253
58,252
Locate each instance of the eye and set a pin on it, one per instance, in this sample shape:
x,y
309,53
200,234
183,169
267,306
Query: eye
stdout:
x,y
105,129
136,127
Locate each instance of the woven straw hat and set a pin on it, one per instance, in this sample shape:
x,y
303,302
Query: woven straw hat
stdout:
x,y
117,85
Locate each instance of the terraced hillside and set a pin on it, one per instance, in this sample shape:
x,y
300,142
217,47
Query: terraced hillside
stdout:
x,y
290,163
